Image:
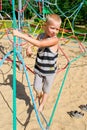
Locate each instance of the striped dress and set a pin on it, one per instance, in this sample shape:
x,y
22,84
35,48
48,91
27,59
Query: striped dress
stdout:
x,y
46,62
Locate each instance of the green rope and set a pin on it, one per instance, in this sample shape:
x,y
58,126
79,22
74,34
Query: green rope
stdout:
x,y
14,87
14,69
58,97
76,58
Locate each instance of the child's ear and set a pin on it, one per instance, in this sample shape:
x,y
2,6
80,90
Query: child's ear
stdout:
x,y
44,25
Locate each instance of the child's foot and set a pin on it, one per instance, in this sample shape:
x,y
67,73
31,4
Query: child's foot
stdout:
x,y
40,109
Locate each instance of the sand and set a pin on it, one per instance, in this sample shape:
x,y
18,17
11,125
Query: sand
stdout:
x,y
73,94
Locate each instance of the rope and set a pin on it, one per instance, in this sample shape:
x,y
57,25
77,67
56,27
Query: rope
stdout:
x,y
58,97
14,68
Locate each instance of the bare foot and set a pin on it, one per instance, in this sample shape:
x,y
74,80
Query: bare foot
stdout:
x,y
40,108
44,98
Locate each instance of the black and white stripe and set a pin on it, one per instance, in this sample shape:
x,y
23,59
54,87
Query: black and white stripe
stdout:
x,y
46,61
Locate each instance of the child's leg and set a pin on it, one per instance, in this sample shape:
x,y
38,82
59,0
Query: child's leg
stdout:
x,y
38,83
46,89
44,98
39,96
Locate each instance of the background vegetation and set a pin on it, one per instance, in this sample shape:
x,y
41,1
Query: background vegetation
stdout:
x,y
64,5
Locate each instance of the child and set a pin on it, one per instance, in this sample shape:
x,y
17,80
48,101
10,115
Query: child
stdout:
x,y
45,65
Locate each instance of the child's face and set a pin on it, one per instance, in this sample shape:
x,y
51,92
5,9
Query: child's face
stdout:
x,y
52,28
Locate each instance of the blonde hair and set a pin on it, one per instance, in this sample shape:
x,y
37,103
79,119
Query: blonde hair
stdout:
x,y
51,17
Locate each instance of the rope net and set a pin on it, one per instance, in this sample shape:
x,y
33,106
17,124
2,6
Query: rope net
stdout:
x,y
68,35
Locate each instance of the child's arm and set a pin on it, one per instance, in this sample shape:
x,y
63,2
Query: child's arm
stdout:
x,y
42,43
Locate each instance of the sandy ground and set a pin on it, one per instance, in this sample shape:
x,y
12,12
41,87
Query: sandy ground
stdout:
x,y
73,94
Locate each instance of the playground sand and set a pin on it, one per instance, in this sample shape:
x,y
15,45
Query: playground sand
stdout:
x,y
73,94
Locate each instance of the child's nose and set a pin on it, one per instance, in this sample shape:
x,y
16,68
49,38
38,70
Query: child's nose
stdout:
x,y
55,31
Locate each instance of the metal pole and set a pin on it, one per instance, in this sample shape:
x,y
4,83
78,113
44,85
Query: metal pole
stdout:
x,y
43,9
19,14
19,27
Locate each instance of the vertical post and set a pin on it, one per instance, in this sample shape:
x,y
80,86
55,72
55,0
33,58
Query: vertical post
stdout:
x,y
19,18
19,26
43,8
0,5
19,14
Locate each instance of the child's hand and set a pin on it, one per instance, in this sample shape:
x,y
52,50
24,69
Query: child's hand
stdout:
x,y
29,51
17,33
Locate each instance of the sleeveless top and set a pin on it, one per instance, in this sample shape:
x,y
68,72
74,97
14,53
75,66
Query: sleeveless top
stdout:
x,y
46,61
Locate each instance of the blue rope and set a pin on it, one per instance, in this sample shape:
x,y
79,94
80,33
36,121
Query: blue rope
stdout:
x,y
5,57
30,89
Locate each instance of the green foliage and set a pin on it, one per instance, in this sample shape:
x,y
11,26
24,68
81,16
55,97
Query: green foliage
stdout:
x,y
6,24
66,6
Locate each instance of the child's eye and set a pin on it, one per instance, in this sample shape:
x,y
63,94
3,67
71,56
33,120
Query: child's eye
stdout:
x,y
52,28
57,29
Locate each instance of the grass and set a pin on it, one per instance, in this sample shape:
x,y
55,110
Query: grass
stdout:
x,y
5,24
